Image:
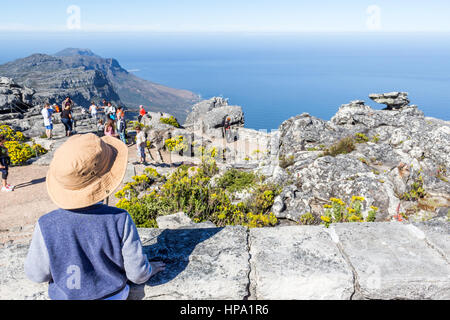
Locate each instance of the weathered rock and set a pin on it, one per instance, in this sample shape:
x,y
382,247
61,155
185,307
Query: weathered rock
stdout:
x,y
419,271
13,97
209,116
180,221
200,264
392,138
13,283
297,263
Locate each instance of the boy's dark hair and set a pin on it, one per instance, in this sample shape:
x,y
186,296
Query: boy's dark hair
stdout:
x,y
137,128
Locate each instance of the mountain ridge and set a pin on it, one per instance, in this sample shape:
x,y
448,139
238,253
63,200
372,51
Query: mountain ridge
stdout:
x,y
85,76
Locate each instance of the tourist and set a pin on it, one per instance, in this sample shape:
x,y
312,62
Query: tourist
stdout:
x,y
121,127
93,111
5,161
66,119
227,129
142,113
141,143
47,113
100,128
110,111
110,129
86,250
67,102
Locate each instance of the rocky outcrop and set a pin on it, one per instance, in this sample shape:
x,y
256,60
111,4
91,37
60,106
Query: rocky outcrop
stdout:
x,y
392,100
209,116
14,99
347,261
387,140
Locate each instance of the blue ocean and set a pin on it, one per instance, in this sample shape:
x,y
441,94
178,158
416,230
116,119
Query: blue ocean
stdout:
x,y
274,76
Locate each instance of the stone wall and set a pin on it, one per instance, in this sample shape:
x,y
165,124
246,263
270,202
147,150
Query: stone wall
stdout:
x,y
347,261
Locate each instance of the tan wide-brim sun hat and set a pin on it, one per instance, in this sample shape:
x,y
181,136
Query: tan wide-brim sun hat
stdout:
x,y
86,170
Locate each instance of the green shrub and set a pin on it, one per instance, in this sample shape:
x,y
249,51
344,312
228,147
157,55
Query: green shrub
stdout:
x,y
308,219
234,180
417,191
286,162
343,146
170,121
361,138
339,212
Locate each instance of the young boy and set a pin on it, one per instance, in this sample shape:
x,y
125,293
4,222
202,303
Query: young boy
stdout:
x,y
141,143
4,163
48,121
86,250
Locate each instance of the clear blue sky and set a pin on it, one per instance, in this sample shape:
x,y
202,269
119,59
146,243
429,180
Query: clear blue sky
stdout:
x,y
229,15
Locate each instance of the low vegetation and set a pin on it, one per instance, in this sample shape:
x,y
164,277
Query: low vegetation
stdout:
x,y
170,121
417,190
20,148
339,211
286,162
235,180
188,189
343,146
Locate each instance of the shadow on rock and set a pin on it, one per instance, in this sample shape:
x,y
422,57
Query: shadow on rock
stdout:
x,y
173,247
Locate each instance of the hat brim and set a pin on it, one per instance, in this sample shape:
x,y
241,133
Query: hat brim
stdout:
x,y
100,189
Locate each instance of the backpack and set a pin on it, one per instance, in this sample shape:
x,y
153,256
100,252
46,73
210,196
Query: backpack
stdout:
x,y
5,160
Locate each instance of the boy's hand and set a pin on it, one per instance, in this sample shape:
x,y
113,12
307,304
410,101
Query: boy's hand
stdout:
x,y
157,266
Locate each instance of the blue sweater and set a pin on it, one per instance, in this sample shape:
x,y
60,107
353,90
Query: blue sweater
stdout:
x,y
86,254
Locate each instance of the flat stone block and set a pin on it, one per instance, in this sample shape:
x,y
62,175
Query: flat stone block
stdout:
x,y
392,261
14,285
200,264
298,263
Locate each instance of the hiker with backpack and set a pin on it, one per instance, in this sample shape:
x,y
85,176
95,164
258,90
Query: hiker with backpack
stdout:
x,y
66,119
227,129
142,113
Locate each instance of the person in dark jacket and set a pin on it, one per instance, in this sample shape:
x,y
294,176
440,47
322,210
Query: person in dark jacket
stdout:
x,y
87,250
66,119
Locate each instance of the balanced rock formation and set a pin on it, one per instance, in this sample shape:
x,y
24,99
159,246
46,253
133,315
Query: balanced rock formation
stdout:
x,y
392,100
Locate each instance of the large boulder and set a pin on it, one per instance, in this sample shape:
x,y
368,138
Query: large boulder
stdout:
x,y
209,116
